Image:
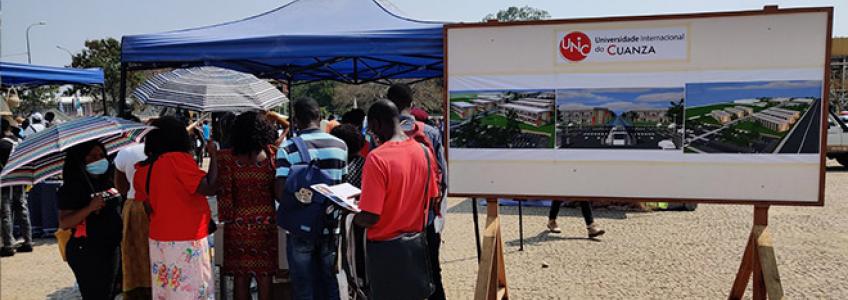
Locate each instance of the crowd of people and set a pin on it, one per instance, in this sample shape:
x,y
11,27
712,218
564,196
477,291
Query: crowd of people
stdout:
x,y
139,223
14,207
156,242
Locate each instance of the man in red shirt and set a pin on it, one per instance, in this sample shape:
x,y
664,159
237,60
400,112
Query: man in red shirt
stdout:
x,y
394,179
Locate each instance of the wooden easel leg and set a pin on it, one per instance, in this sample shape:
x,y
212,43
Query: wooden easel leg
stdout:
x,y
758,262
768,263
491,275
744,273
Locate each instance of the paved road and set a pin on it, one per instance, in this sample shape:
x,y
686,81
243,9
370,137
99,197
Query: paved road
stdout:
x,y
805,137
595,137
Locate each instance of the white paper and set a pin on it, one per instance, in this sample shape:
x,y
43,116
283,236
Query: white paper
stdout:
x,y
341,194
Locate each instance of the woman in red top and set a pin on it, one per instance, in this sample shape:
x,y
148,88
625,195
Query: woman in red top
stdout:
x,y
174,189
246,204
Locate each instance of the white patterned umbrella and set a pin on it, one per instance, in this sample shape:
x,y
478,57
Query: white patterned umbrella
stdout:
x,y
209,89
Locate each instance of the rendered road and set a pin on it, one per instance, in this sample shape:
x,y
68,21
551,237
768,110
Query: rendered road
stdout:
x,y
805,137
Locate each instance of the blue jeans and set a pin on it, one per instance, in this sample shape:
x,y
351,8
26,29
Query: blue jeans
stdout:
x,y
311,267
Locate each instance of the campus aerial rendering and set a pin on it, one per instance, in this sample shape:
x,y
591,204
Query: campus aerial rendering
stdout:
x,y
502,119
631,118
753,117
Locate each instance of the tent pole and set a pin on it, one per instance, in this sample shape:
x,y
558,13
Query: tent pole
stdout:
x,y
123,92
289,87
105,105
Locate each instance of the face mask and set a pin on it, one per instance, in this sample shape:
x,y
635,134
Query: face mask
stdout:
x,y
98,167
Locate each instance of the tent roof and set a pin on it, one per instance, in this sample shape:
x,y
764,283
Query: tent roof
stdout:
x,y
352,41
23,74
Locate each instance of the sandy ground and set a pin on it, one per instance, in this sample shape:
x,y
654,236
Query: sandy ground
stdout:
x,y
675,255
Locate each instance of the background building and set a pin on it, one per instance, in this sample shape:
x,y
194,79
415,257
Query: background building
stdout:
x,y
464,109
593,116
531,115
839,73
656,115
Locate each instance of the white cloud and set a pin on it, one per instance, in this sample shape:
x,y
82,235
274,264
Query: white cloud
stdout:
x,y
624,106
660,97
581,94
772,85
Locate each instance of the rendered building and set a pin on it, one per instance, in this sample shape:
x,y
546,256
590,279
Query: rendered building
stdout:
x,y
721,116
736,111
528,114
658,115
773,123
464,109
594,116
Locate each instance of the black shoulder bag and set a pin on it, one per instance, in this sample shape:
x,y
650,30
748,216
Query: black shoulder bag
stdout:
x,y
400,268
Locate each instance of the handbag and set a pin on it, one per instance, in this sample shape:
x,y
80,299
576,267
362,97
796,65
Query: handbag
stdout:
x,y
414,279
62,238
211,227
12,98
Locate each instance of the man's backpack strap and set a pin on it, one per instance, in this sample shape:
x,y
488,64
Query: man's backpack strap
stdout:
x,y
302,149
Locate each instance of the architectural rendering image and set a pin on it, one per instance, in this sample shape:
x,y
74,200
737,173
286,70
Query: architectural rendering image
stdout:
x,y
502,119
753,117
631,118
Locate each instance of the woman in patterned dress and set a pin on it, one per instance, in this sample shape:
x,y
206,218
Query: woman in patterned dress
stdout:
x,y
174,189
246,205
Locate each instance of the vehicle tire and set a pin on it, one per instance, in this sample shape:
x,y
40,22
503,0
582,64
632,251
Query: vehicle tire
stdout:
x,y
842,160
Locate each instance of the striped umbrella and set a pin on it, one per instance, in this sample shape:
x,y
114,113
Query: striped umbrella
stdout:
x,y
209,89
41,155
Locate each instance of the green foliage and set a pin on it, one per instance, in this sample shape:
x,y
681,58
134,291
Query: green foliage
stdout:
x,y
675,112
514,13
105,54
321,91
37,99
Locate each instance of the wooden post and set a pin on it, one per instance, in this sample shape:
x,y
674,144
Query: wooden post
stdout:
x,y
758,260
491,274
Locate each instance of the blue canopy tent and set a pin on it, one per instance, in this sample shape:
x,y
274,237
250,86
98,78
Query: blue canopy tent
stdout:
x,y
14,74
351,41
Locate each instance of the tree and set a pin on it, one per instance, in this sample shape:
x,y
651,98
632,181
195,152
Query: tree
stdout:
x,y
321,91
514,13
106,54
37,99
675,112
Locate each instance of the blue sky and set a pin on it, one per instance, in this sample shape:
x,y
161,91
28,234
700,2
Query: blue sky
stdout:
x,y
618,100
70,23
700,94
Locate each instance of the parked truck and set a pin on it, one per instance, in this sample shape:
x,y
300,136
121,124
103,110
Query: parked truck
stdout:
x,y
837,140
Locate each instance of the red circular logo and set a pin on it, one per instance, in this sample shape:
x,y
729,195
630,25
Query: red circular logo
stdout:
x,y
575,46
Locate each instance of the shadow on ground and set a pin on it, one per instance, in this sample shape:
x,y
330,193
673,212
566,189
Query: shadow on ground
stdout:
x,y
566,211
836,169
67,293
547,236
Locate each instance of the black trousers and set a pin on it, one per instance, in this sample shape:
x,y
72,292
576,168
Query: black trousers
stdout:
x,y
585,208
434,241
95,268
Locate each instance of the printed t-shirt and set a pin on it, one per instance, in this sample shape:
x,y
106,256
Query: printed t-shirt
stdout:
x,y
179,214
393,186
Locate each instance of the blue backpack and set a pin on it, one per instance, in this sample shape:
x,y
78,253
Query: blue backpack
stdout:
x,y
304,220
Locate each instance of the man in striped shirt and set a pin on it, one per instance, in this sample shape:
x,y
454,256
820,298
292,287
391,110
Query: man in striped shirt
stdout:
x,y
311,261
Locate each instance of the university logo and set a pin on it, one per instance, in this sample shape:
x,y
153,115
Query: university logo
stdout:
x,y
575,46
